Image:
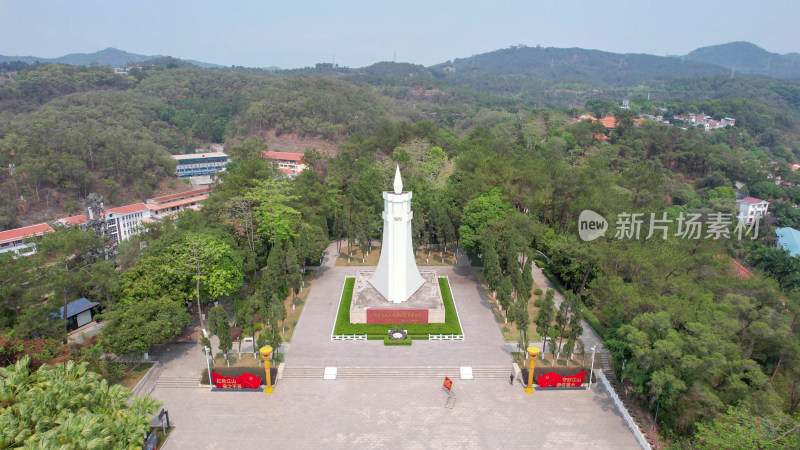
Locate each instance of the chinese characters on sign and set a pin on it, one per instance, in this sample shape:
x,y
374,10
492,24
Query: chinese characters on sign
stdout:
x,y
448,384
397,315
686,226
552,379
243,381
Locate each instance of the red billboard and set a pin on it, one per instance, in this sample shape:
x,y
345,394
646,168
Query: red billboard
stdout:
x,y
552,379
243,381
397,315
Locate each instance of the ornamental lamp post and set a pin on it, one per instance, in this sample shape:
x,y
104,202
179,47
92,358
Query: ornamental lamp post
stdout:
x,y
265,351
533,352
591,371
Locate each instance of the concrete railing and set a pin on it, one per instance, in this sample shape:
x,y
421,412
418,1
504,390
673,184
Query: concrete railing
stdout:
x,y
349,337
445,337
637,434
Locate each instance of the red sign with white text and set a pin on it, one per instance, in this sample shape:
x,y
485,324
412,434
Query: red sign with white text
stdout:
x,y
243,381
448,383
397,315
552,379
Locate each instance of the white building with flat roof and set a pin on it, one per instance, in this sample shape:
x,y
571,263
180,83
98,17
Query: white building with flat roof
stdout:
x,y
125,221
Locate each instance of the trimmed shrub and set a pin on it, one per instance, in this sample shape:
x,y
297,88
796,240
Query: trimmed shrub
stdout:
x,y
537,303
537,291
387,341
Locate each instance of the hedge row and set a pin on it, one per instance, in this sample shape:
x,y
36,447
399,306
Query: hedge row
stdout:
x,y
387,341
379,331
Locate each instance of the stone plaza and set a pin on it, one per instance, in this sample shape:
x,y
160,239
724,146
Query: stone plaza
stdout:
x,y
385,397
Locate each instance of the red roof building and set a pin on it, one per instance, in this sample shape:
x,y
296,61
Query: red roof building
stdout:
x,y
14,240
293,162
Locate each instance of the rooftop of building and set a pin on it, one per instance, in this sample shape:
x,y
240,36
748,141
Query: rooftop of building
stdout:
x,y
283,155
200,155
127,209
74,220
76,307
182,195
789,239
25,232
176,203
752,200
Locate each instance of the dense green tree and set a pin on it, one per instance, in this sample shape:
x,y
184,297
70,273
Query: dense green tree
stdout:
x,y
219,325
210,263
545,317
741,428
478,213
132,327
277,221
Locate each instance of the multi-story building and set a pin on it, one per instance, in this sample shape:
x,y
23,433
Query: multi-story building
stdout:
x,y
788,239
750,208
197,164
125,221
14,240
288,163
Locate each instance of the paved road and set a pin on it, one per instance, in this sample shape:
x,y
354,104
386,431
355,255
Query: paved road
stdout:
x,y
386,413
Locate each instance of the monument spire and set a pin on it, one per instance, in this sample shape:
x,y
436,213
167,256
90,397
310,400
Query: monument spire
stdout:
x,y
398,182
397,278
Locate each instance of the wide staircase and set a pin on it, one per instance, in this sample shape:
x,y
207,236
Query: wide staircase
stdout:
x,y
397,372
177,382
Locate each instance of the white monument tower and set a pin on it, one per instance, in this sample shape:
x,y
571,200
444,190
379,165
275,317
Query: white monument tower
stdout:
x,y
397,278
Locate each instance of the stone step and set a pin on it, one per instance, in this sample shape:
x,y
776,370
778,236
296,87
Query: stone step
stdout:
x,y
177,382
396,372
303,372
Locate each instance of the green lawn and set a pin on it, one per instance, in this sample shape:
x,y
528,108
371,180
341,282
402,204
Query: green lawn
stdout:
x,y
131,378
379,330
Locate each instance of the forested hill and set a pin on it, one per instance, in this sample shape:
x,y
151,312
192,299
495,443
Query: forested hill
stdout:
x,y
109,56
577,65
747,58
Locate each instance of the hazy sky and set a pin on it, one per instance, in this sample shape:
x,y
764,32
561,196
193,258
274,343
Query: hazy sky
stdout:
x,y
298,33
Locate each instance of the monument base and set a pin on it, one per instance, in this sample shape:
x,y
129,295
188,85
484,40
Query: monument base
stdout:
x,y
369,306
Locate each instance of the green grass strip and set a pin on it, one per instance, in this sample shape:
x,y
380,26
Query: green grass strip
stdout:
x,y
379,330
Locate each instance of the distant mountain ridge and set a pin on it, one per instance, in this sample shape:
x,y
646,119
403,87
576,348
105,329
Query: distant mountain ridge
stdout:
x,y
747,58
109,56
578,64
567,65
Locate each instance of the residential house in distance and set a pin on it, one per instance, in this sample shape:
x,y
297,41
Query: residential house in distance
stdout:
x,y
788,239
288,163
707,122
750,208
14,240
198,164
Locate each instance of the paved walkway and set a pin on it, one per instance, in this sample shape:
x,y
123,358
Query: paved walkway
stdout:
x,y
385,413
590,337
